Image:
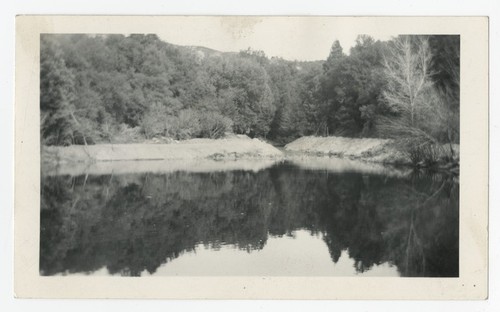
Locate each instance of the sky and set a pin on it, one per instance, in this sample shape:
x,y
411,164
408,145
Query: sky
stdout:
x,y
298,38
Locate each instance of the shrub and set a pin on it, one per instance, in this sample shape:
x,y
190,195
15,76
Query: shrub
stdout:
x,y
154,121
213,125
126,134
421,152
185,126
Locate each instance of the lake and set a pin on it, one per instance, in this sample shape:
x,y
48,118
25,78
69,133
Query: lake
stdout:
x,y
302,217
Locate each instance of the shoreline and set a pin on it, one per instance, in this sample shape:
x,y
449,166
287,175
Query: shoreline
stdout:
x,y
372,150
234,147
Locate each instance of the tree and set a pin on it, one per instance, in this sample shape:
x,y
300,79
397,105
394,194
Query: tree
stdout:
x,y
407,70
446,78
351,87
57,94
419,117
336,55
93,87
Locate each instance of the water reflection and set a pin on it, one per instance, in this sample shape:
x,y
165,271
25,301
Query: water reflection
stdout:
x,y
323,222
299,254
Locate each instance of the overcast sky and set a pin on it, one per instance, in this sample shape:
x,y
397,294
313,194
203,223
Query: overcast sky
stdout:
x,y
292,39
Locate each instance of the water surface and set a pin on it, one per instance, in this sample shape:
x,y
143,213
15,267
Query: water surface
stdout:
x,y
303,218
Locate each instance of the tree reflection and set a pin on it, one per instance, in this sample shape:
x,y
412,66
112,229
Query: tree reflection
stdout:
x,y
135,223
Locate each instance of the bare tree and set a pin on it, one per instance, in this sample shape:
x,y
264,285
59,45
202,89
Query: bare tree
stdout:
x,y
407,69
419,116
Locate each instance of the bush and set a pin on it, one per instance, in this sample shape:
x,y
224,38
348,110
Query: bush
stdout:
x,y
421,152
125,134
213,125
426,155
193,124
154,121
188,124
184,126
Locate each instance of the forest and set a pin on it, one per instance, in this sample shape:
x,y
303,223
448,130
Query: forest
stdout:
x,y
132,88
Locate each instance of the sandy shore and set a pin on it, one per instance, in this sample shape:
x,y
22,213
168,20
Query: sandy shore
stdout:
x,y
235,147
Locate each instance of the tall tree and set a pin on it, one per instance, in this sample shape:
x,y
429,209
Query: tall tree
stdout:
x,y
420,117
57,94
407,70
446,78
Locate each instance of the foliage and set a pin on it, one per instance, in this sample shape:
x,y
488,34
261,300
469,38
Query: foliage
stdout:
x,y
420,117
93,87
407,73
186,125
213,125
155,121
57,93
351,88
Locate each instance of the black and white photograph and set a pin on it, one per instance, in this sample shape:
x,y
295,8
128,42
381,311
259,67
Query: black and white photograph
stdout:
x,y
166,159
244,147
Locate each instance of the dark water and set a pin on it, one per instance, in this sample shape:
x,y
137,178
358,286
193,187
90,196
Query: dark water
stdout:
x,y
283,220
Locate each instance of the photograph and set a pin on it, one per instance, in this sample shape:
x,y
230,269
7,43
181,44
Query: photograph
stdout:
x,y
162,159
243,149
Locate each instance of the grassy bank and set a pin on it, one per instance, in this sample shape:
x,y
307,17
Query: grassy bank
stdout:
x,y
366,149
234,147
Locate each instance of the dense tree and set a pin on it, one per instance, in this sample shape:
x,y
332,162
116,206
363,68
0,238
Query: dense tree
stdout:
x,y
60,120
446,67
351,87
106,88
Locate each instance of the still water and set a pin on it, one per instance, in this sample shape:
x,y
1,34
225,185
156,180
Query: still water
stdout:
x,y
295,218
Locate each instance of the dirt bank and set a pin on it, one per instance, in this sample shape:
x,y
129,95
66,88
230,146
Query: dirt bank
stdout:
x,y
367,149
234,147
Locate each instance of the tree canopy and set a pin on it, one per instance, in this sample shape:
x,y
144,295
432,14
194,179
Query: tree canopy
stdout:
x,y
117,88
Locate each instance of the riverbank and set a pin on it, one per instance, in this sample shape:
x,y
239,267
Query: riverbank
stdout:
x,y
365,149
233,147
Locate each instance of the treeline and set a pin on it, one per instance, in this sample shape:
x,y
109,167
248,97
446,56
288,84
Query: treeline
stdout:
x,y
116,88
